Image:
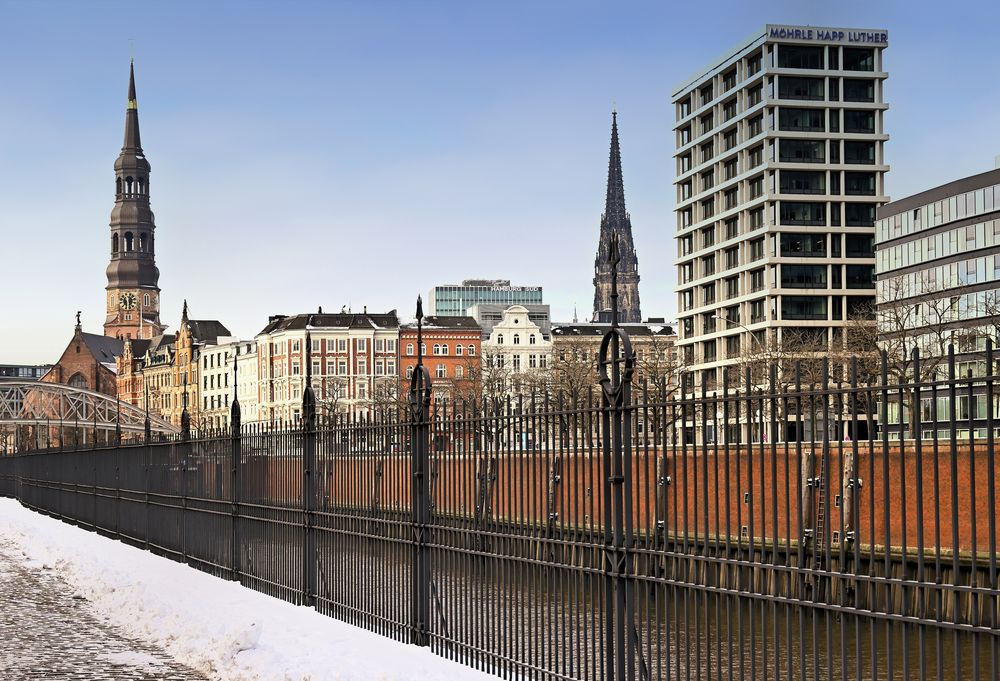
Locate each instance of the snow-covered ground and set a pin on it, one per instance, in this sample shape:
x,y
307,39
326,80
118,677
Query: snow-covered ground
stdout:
x,y
218,627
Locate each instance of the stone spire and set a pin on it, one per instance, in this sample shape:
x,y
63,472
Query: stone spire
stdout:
x,y
133,280
616,220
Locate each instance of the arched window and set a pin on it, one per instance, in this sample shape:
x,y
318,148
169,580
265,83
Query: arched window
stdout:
x,y
517,339
472,351
114,243
499,339
128,242
442,371
77,381
458,349
531,339
437,349
150,243
145,300
409,372
409,350
142,186
128,185
459,371
142,242
118,186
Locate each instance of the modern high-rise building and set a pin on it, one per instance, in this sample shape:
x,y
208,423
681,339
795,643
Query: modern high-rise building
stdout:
x,y
780,168
616,220
454,300
133,292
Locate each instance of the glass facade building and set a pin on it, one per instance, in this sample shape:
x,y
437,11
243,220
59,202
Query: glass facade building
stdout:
x,y
454,300
779,172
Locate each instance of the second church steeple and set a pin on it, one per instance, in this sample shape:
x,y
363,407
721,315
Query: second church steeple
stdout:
x,y
616,220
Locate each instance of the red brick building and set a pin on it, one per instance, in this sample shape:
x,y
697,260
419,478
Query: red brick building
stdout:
x,y
452,351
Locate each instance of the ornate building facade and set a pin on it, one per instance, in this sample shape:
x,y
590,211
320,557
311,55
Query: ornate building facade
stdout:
x,y
616,220
133,294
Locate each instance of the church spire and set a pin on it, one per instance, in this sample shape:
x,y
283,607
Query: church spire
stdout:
x,y
133,280
616,221
132,142
614,206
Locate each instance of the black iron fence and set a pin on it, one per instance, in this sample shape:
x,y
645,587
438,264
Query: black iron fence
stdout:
x,y
596,536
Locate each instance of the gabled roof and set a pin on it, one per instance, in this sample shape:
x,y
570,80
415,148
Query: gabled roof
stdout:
x,y
104,348
342,320
207,330
445,322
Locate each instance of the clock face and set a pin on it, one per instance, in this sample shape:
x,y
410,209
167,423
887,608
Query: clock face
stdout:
x,y
127,301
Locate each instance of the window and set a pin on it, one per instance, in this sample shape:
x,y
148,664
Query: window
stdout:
x,y
860,246
730,169
329,344
708,294
801,151
800,57
756,186
859,214
687,244
499,339
379,367
802,182
516,359
330,368
733,287
409,349
732,346
859,90
729,110
458,349
707,179
707,151
708,236
731,198
803,245
732,228
707,208
800,120
517,339
729,79
342,345
729,140
390,345
859,184
708,265
859,152
859,121
757,281
342,367
362,391
709,351
755,157
859,59
459,372
362,365
860,276
362,344
441,371
755,96
796,213
792,87
803,276
472,351
732,257
756,218
706,94
295,369
379,345
803,307
756,249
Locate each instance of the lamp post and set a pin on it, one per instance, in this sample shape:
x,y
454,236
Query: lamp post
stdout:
x,y
727,320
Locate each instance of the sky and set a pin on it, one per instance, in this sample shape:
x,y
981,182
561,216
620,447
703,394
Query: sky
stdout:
x,y
359,153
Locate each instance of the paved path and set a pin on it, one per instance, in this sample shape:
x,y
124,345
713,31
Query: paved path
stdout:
x,y
46,633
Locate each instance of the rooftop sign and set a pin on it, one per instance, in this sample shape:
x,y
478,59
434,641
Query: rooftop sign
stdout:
x,y
850,36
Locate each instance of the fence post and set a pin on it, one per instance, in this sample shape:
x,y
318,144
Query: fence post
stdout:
x,y
308,483
236,481
147,456
616,367
185,447
419,405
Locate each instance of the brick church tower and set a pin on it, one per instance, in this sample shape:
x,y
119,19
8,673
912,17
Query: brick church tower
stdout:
x,y
133,294
616,219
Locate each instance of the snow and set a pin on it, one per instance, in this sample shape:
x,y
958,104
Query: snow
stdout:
x,y
218,627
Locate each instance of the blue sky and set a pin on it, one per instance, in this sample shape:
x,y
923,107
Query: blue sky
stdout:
x,y
357,153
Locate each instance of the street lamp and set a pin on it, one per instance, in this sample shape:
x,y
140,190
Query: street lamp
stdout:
x,y
760,346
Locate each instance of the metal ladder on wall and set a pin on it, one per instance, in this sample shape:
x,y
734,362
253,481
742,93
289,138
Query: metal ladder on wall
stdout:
x,y
818,536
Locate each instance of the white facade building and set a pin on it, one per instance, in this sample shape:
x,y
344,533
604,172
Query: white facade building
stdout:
x,y
517,345
780,168
353,358
217,381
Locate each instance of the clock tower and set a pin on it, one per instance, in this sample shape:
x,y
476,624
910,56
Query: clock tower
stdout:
x,y
133,294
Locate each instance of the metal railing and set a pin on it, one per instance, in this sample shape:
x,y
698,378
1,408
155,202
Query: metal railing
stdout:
x,y
773,529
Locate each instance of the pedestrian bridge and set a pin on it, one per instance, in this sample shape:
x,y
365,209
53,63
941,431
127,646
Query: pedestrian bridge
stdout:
x,y
36,415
